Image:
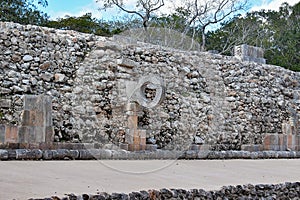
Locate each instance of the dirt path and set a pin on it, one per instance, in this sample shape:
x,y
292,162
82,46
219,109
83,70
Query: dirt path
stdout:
x,y
26,179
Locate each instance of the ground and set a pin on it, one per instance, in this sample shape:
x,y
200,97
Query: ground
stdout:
x,y
27,179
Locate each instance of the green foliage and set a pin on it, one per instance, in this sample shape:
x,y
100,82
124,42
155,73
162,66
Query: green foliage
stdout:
x,y
175,21
22,11
84,24
278,32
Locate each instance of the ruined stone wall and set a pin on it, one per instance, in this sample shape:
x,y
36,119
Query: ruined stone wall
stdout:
x,y
209,98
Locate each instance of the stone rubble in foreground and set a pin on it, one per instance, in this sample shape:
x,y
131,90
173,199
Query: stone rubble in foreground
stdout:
x,y
261,191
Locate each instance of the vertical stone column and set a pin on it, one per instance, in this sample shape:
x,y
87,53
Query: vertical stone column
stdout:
x,y
136,97
36,125
135,138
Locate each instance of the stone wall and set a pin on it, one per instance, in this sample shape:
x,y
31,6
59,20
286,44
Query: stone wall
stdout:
x,y
209,98
260,191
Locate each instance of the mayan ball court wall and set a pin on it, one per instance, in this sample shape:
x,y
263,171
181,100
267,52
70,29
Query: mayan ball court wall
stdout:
x,y
65,86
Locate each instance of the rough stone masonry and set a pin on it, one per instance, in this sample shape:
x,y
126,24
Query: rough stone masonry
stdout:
x,y
221,101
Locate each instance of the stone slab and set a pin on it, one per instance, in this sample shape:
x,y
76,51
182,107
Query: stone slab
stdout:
x,y
282,142
11,134
27,134
2,133
49,134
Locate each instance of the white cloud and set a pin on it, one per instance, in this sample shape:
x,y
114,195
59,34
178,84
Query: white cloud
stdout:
x,y
92,7
273,5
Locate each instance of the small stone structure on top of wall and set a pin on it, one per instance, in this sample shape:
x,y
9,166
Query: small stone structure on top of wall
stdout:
x,y
210,99
249,53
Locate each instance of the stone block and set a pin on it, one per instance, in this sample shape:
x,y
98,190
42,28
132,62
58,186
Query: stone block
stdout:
x,y
282,142
3,154
249,53
151,147
143,141
88,154
37,118
47,154
132,107
271,142
49,134
34,145
194,147
46,146
60,154
26,134
25,117
12,154
74,154
21,154
129,136
142,133
106,154
11,134
142,147
24,145
48,111
127,63
133,147
132,122
32,118
39,133
30,102
2,133
12,145
35,154
136,140
120,155
205,147
297,143
291,142
252,147
124,146
5,103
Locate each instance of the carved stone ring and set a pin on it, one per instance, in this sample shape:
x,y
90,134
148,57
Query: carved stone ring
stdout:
x,y
154,83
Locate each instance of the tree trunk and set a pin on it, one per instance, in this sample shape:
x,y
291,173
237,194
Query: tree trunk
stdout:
x,y
203,46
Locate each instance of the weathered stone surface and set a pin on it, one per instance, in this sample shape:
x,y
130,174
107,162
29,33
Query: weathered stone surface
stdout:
x,y
27,58
3,154
225,102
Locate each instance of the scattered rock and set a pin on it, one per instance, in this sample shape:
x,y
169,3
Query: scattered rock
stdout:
x,y
27,58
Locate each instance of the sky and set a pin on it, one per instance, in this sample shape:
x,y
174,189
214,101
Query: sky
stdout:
x,y
60,8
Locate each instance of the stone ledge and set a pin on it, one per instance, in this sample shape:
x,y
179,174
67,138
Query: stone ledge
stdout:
x,y
106,154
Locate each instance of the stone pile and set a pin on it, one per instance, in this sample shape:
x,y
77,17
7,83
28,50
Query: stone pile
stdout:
x,y
261,191
219,100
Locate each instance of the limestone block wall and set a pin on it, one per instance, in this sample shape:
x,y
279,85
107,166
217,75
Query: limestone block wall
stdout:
x,y
209,98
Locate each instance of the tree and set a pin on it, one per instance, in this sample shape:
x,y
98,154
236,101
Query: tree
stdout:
x,y
84,24
277,32
210,12
175,21
144,8
23,12
239,30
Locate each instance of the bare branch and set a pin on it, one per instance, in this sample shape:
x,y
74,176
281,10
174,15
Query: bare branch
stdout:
x,y
144,8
